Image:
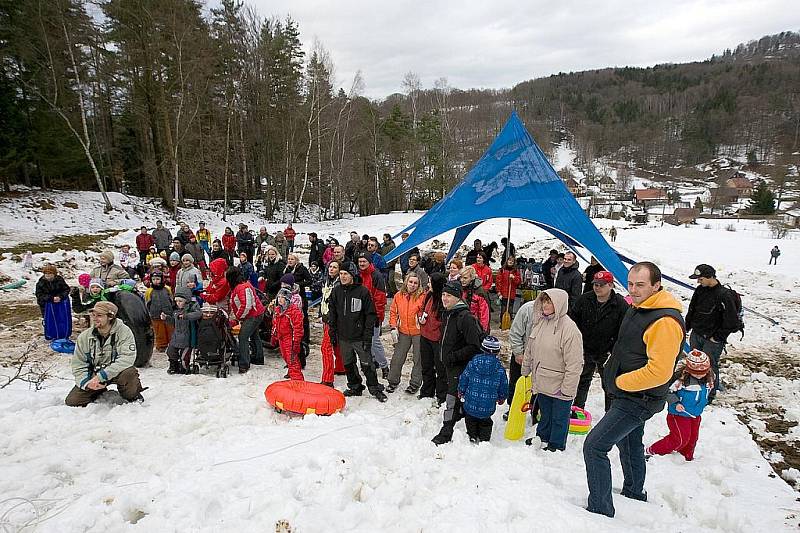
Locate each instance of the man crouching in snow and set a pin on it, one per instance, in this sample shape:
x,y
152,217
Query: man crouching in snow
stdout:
x,y
104,355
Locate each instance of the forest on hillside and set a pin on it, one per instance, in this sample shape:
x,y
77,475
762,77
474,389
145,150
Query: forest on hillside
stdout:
x,y
167,99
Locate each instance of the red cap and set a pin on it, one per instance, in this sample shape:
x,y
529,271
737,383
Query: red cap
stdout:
x,y
602,277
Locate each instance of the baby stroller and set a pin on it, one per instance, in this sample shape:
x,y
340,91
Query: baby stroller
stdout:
x,y
215,344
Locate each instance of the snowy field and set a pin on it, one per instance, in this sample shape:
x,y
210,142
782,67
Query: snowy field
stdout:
x,y
206,454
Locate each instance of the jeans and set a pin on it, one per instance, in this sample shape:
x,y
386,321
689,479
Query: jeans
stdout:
x,y
378,353
248,336
623,426
434,378
714,352
554,425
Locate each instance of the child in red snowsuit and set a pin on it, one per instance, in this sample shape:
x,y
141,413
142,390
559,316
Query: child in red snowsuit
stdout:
x,y
287,332
687,399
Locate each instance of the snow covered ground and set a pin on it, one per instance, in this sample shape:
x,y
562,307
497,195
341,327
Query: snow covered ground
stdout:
x,y
206,454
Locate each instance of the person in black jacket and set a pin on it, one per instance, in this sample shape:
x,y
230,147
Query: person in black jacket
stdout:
x,y
588,274
316,251
51,287
472,255
461,341
351,319
712,316
134,313
271,272
245,242
569,278
598,315
547,268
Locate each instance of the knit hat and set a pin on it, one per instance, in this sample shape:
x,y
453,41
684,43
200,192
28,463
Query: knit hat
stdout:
x,y
364,255
106,307
350,268
49,269
108,255
183,292
174,256
264,245
189,257
84,280
491,344
285,293
97,282
208,308
697,362
287,279
452,288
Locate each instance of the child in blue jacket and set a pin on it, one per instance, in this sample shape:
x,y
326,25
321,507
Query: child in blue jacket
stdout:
x,y
482,386
686,401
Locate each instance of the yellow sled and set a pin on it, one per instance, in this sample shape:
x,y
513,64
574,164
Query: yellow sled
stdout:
x,y
515,427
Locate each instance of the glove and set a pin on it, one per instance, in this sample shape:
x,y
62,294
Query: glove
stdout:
x,y
395,336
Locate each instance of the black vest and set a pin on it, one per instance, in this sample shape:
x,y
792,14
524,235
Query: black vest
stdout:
x,y
630,353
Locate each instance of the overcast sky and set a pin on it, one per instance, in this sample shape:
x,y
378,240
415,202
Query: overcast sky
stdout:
x,y
498,43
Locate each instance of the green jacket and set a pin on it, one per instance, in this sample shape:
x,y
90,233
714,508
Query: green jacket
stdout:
x,y
104,357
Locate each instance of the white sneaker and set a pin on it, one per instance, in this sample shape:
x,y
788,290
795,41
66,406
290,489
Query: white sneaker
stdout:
x,y
543,445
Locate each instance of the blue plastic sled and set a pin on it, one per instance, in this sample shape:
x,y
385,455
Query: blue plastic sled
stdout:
x,y
64,346
57,320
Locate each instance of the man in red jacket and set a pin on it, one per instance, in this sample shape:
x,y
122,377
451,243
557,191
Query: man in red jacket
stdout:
x,y
289,234
143,243
375,282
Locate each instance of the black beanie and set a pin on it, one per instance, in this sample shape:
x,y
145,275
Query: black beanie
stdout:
x,y
453,288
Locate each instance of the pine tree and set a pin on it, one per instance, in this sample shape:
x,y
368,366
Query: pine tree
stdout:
x,y
762,201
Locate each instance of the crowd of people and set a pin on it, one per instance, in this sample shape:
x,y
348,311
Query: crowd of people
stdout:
x,y
574,326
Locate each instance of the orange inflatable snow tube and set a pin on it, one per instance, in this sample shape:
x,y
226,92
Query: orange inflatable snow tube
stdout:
x,y
304,397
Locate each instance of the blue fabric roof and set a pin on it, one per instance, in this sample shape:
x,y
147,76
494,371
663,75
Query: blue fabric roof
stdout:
x,y
513,179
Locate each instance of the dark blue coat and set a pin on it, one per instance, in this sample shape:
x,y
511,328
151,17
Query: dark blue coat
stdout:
x,y
482,384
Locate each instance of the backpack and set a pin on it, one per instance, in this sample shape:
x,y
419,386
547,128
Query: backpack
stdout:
x,y
737,301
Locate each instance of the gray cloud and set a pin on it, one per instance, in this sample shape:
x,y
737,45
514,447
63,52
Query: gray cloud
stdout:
x,y
480,44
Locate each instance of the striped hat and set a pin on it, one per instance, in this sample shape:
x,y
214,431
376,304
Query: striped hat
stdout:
x,y
491,344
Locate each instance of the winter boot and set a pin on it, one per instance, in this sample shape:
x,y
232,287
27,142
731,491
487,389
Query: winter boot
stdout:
x,y
379,395
445,434
174,367
385,372
353,392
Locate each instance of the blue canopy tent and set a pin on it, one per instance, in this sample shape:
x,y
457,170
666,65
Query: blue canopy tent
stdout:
x,y
513,179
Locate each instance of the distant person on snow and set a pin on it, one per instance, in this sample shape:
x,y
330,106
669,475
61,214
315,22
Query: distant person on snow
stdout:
x,y
613,234
685,403
289,234
774,254
162,236
712,316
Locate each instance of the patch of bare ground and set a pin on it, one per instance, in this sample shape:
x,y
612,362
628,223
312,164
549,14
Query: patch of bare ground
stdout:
x,y
761,412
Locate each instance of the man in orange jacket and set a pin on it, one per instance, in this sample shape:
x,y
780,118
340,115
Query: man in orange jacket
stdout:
x,y
637,378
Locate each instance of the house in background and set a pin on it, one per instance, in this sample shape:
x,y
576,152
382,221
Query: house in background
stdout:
x,y
742,185
649,197
792,217
573,186
607,184
682,215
